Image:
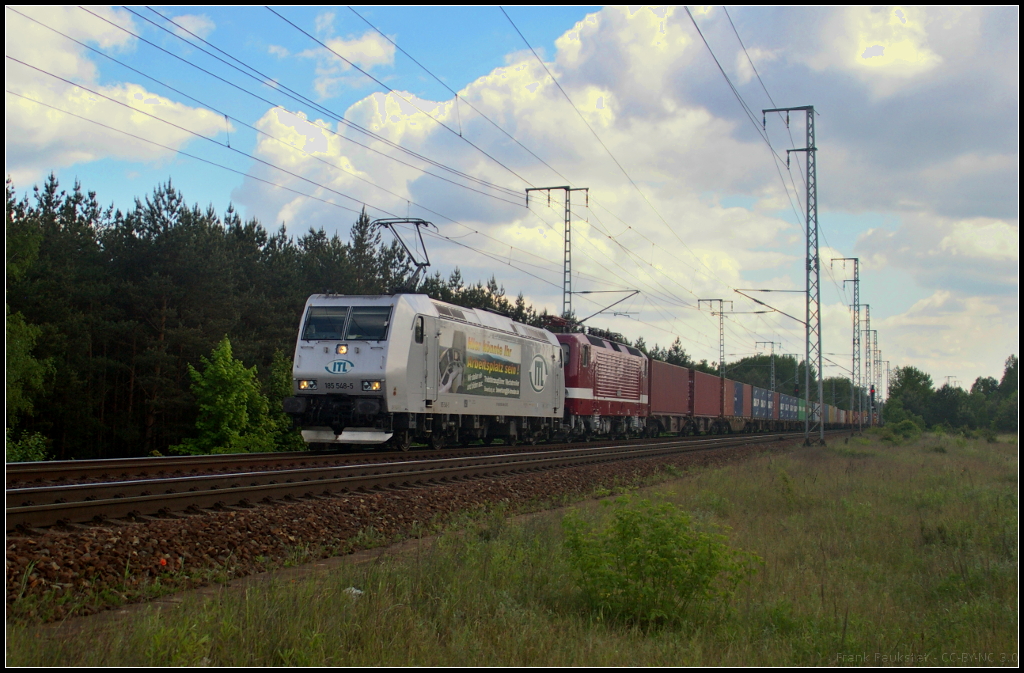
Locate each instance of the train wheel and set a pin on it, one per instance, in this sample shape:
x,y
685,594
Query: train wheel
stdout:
x,y
437,441
402,440
487,440
512,440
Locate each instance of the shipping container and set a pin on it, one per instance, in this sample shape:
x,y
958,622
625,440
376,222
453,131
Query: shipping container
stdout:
x,y
787,407
707,394
775,405
762,399
737,397
801,414
670,388
748,400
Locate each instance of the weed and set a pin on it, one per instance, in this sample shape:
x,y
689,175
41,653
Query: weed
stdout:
x,y
649,566
854,453
786,487
712,502
673,471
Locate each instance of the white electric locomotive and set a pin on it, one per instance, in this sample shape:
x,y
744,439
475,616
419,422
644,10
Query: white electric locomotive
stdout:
x,y
398,368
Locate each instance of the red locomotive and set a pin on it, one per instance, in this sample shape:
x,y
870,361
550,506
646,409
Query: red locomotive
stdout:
x,y
606,386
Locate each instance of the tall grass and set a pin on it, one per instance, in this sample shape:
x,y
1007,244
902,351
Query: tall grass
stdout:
x,y
872,553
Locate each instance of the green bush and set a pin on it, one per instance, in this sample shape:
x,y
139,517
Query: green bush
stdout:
x,y
233,411
30,447
650,566
897,433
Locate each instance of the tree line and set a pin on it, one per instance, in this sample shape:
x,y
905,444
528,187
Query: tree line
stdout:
x,y
109,313
989,405
123,327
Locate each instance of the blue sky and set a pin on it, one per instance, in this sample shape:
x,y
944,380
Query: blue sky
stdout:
x,y
917,162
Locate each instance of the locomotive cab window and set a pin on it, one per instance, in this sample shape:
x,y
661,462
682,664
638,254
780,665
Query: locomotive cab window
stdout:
x,y
369,323
325,323
565,354
419,329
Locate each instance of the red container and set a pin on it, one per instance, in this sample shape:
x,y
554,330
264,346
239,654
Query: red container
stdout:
x,y
669,388
775,406
748,401
707,395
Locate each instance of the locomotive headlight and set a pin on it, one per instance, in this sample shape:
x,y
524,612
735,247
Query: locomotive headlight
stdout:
x,y
341,349
307,384
369,386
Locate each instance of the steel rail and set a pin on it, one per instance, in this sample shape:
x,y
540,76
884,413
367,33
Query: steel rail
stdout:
x,y
50,505
112,469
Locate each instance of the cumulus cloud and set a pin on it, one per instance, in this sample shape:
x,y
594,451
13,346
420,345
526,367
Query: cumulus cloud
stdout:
x,y
918,122
977,256
40,139
333,64
197,24
949,334
884,46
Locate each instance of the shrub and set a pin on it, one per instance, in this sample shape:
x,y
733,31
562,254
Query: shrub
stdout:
x,y
30,447
650,566
233,412
898,433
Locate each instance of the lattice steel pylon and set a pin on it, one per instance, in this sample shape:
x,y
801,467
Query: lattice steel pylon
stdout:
x,y
773,344
855,365
872,339
721,330
867,355
813,331
567,251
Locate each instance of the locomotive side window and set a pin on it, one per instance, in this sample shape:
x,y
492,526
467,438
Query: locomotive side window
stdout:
x,y
565,354
369,323
419,329
325,323
585,356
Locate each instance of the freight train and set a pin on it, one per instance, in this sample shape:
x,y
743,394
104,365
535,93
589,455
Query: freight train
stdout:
x,y
396,369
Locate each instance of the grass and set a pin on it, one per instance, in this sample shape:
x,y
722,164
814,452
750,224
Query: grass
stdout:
x,y
873,554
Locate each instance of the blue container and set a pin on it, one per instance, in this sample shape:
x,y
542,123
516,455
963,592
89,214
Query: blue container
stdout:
x,y
762,403
787,408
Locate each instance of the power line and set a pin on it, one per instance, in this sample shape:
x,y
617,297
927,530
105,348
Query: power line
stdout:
x,y
390,90
455,93
788,130
516,203
510,136
263,80
608,151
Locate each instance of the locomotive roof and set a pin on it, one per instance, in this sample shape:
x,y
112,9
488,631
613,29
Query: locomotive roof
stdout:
x,y
601,342
421,303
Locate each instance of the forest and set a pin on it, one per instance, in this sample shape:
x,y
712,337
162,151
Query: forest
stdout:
x,y
125,328
989,405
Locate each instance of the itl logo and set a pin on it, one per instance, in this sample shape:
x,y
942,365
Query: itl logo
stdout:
x,y
538,373
339,366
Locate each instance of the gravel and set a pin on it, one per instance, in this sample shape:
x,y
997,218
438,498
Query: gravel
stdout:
x,y
83,570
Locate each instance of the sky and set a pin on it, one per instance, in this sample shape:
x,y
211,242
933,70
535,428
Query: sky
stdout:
x,y
300,117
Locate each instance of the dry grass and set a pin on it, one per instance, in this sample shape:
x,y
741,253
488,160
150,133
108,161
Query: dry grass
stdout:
x,y
873,554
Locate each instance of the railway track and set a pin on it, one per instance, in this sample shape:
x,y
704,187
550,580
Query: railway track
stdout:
x,y
20,475
30,507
